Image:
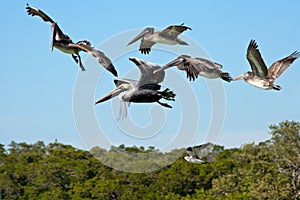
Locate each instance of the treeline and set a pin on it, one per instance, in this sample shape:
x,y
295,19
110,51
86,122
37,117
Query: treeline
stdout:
x,y
268,170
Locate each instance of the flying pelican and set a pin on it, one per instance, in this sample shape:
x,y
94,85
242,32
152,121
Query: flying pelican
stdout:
x,y
166,36
198,66
198,152
65,44
261,76
145,90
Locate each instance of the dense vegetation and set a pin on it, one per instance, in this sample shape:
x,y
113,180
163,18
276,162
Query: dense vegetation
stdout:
x,y
268,170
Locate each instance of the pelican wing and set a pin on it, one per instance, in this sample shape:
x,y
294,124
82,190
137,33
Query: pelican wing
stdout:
x,y
174,30
37,12
208,64
56,32
147,72
100,56
202,150
257,64
278,67
191,70
145,46
184,63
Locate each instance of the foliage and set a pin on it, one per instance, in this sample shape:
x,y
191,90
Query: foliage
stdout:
x,y
268,170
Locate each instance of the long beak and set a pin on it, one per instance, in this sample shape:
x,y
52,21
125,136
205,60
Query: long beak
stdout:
x,y
170,64
240,77
139,36
110,95
53,34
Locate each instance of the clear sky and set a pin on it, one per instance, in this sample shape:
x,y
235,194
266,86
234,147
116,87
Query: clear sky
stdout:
x,y
37,85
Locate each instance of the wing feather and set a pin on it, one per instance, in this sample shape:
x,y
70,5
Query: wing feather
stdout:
x,y
174,30
145,46
100,56
257,64
278,67
37,12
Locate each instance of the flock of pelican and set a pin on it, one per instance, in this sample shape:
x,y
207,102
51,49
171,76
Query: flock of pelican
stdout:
x,y
148,89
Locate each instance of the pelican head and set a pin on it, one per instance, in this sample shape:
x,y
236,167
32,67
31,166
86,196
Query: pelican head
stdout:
x,y
141,35
189,150
117,91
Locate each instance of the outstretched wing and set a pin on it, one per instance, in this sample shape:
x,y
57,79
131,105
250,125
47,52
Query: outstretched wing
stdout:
x,y
100,56
278,67
37,12
174,30
183,63
202,150
257,64
208,64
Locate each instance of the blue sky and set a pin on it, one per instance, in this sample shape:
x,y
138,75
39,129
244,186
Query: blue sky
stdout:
x,y
37,85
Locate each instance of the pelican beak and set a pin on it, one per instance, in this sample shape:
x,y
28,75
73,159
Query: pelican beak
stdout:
x,y
240,77
139,36
110,95
175,62
53,34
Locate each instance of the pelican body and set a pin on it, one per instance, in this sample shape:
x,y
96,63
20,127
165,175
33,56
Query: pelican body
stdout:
x,y
261,76
65,44
198,152
145,90
198,66
167,36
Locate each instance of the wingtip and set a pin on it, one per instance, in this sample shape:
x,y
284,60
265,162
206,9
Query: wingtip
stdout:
x,y
113,70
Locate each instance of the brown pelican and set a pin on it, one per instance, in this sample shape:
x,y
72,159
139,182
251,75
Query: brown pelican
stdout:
x,y
145,90
166,36
65,44
198,152
261,76
197,66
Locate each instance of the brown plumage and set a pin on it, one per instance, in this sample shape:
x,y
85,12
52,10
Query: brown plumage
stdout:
x,y
65,44
261,76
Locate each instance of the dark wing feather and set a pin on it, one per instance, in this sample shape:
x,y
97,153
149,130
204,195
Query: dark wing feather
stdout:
x,y
278,67
191,71
57,32
145,46
257,64
37,12
100,56
174,30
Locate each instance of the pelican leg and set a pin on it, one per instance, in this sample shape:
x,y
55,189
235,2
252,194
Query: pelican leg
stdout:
x,y
77,59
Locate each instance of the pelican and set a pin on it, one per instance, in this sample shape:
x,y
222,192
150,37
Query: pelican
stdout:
x,y
198,152
145,90
166,36
261,76
197,66
65,44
